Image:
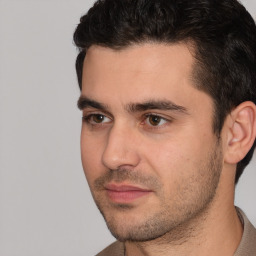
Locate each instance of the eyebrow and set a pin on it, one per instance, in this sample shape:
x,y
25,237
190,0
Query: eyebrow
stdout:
x,y
84,102
156,104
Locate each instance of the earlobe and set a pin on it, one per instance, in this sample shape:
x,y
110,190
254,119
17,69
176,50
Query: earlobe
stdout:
x,y
241,132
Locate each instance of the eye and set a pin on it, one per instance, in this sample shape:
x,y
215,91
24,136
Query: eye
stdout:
x,y
155,120
95,119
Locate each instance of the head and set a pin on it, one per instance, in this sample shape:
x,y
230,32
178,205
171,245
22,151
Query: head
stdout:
x,y
211,47
223,35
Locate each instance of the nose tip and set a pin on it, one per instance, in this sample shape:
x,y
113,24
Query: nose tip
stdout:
x,y
118,160
120,150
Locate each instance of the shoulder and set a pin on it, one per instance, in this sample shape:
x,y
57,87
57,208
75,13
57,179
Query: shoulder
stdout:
x,y
247,245
115,249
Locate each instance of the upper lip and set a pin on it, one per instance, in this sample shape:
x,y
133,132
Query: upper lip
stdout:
x,y
125,187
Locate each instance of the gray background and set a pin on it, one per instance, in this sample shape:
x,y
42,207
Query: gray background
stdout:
x,y
46,207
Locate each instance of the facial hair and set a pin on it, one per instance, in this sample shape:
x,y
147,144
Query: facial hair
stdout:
x,y
193,196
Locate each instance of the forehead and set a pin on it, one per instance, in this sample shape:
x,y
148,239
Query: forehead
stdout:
x,y
140,72
147,58
144,53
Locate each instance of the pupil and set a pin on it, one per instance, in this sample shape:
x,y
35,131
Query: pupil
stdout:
x,y
154,120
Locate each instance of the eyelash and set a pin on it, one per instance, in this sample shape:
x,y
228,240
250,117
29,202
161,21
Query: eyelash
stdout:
x,y
87,120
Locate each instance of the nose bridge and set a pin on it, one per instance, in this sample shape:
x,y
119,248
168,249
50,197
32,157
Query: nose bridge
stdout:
x,y
120,149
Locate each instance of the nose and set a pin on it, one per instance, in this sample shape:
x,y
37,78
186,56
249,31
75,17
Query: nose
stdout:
x,y
121,149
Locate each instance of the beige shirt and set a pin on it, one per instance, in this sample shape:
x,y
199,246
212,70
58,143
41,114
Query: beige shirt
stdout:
x,y
247,246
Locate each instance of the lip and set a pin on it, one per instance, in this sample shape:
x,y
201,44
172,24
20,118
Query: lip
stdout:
x,y
124,193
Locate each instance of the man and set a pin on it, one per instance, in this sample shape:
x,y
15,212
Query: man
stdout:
x,y
168,92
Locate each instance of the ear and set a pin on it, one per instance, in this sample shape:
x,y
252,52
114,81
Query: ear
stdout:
x,y
241,132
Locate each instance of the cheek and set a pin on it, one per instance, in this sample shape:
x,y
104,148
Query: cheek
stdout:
x,y
175,159
167,153
91,152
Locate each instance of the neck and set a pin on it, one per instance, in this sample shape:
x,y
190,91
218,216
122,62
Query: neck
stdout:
x,y
216,230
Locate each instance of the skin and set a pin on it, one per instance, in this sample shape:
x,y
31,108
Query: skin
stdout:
x,y
188,206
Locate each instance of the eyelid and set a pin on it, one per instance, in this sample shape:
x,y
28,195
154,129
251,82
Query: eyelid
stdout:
x,y
91,110
159,115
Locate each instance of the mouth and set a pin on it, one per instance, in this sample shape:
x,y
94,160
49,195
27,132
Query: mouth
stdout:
x,y
123,193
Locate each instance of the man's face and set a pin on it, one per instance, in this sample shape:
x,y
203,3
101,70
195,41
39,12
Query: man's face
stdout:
x,y
148,149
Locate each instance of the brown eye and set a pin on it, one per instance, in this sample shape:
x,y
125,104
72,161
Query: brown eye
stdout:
x,y
154,120
98,118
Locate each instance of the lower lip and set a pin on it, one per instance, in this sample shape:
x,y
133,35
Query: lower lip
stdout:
x,y
126,196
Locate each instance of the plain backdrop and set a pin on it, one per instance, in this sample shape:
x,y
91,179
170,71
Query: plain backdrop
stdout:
x,y
46,206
